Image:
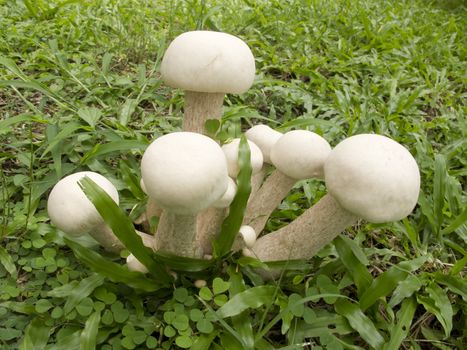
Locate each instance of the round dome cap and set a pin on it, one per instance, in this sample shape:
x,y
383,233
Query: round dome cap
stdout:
x,y
264,137
373,177
300,154
184,172
231,155
68,207
207,61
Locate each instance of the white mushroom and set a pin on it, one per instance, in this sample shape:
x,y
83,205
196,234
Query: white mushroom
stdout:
x,y
297,155
185,173
134,264
368,176
264,137
72,212
228,196
207,65
231,155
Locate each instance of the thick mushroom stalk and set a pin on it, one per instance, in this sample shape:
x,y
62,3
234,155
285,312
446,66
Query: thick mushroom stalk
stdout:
x,y
72,212
297,155
185,173
368,176
207,65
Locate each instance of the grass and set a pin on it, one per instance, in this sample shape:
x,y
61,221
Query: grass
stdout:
x,y
79,89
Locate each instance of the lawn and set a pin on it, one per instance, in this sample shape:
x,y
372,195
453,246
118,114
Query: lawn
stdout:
x,y
80,89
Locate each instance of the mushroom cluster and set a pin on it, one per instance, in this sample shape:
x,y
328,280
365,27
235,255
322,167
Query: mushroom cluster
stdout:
x,y
190,179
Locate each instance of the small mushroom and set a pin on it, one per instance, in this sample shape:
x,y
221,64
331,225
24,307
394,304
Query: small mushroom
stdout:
x,y
297,155
184,173
368,176
207,65
231,155
72,212
264,137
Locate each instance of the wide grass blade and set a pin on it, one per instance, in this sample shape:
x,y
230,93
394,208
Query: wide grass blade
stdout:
x,y
36,335
385,283
180,263
252,298
399,331
123,228
354,266
360,322
233,222
113,271
7,261
88,337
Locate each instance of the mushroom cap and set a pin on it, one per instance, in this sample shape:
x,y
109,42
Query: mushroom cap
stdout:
x,y
184,172
206,61
264,137
231,155
249,235
373,177
68,207
228,196
300,154
134,264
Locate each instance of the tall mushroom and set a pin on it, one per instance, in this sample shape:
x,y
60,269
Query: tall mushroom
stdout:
x,y
368,176
72,212
184,173
297,155
207,65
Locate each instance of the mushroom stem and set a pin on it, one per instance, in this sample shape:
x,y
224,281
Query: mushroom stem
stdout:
x,y
306,235
105,237
209,226
176,234
199,107
257,181
266,199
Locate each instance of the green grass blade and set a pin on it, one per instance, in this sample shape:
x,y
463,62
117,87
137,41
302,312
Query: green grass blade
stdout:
x,y
354,266
439,189
180,263
7,261
456,284
88,339
233,221
116,146
123,228
438,303
400,330
113,271
36,335
252,298
458,222
360,322
83,290
385,283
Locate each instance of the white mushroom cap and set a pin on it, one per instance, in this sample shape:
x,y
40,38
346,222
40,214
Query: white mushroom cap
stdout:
x,y
373,177
228,196
300,154
231,154
206,61
184,172
249,235
264,137
68,207
135,265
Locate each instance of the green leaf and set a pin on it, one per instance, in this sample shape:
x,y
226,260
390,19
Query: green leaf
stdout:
x,y
399,331
36,335
405,289
127,110
455,284
119,146
454,225
88,339
439,305
204,341
90,115
439,189
385,283
7,262
212,126
123,228
360,322
181,263
112,270
43,305
83,290
251,298
219,285
353,262
232,223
